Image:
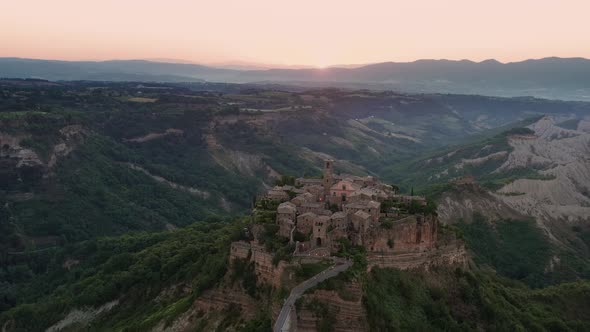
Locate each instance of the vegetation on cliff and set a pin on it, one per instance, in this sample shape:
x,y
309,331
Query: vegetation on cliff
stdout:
x,y
516,249
519,250
471,300
153,276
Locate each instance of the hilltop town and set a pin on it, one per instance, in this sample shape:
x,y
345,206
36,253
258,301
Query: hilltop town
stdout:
x,y
334,220
323,217
344,207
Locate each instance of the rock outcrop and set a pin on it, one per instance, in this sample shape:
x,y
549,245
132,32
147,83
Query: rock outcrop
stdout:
x,y
349,313
411,233
266,271
464,200
20,162
449,254
562,192
153,136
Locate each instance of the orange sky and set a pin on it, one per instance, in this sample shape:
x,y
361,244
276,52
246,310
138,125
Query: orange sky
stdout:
x,y
318,32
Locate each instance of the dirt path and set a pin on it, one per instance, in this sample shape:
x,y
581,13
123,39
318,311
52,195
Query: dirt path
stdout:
x,y
194,191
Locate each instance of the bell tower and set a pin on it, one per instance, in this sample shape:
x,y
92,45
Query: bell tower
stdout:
x,y
328,180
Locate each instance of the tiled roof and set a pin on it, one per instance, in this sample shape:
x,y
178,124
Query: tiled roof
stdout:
x,y
286,207
349,184
362,214
338,215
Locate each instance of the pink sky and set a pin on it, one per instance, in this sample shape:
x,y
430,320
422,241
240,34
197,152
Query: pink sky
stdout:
x,y
306,32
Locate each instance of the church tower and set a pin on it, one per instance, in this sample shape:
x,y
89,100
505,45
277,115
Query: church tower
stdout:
x,y
328,180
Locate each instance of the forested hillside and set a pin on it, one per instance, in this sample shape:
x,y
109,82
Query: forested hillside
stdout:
x,y
133,272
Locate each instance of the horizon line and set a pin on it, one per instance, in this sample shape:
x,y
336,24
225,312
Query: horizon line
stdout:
x,y
267,66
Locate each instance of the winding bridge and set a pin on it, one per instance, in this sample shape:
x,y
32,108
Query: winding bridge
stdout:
x,y
283,322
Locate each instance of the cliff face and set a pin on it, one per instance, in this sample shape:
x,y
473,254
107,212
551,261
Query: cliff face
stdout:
x,y
414,242
266,272
346,314
560,196
17,162
413,233
21,163
461,202
213,309
453,253
417,244
229,305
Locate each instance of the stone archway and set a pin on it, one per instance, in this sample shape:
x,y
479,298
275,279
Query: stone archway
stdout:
x,y
318,242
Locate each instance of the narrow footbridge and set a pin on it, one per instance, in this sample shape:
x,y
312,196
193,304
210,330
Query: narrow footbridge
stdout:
x,y
283,322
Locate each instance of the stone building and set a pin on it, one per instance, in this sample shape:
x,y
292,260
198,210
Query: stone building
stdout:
x,y
320,227
328,179
304,182
339,220
340,191
317,191
361,221
277,194
370,207
368,194
286,217
315,207
305,222
303,198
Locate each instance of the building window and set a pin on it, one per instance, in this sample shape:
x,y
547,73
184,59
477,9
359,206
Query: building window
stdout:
x,y
344,187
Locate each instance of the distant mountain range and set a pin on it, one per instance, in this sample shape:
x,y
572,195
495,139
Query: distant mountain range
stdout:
x,y
555,78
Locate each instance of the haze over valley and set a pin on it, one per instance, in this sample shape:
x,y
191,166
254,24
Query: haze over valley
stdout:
x,y
553,78
305,167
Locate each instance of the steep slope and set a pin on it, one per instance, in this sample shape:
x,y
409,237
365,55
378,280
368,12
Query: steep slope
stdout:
x,y
562,157
131,282
462,202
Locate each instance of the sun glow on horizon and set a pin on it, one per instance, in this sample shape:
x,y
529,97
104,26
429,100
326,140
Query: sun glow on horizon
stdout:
x,y
269,31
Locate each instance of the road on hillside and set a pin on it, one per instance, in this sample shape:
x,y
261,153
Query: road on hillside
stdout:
x,y
281,322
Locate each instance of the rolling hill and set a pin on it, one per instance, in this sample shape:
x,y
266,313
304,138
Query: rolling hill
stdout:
x,y
555,78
